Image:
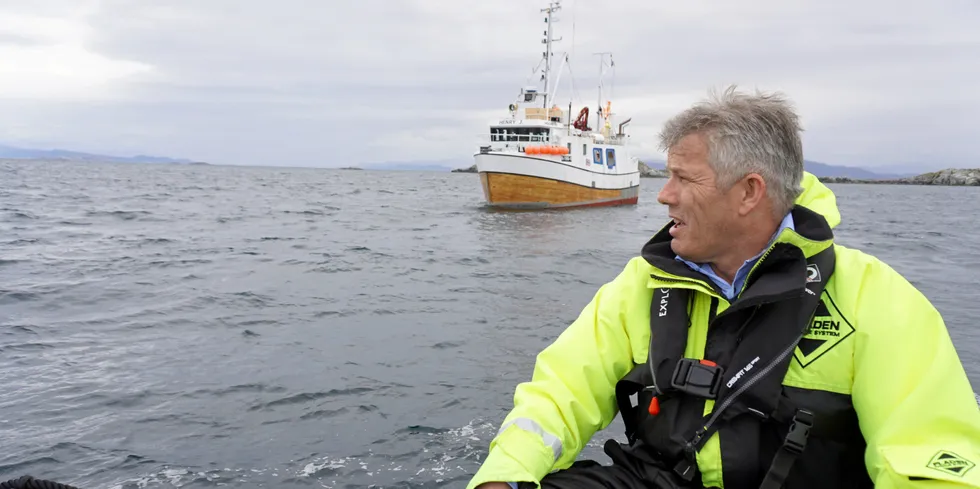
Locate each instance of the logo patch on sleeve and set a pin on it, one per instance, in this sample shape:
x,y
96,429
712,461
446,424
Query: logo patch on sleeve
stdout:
x,y
827,329
951,463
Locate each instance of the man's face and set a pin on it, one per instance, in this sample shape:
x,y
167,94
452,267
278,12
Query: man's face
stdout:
x,y
704,216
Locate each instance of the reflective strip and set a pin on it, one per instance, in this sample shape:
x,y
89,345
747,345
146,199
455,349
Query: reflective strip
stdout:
x,y
532,426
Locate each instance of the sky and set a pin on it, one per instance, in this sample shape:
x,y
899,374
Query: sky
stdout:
x,y
335,83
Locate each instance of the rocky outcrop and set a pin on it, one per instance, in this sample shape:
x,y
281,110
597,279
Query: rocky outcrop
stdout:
x,y
647,172
471,169
949,176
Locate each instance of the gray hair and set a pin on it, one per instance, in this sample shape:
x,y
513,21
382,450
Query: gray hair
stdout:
x,y
747,134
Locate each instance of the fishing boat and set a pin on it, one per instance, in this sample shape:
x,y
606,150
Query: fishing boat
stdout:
x,y
537,156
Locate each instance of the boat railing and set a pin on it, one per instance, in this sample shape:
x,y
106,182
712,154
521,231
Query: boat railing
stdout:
x,y
519,138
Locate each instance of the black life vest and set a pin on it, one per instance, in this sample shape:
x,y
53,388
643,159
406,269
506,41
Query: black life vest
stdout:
x,y
770,435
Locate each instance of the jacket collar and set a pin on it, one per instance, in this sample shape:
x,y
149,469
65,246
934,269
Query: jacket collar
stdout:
x,y
780,270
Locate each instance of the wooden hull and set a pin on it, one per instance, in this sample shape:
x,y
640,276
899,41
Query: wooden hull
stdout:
x,y
513,191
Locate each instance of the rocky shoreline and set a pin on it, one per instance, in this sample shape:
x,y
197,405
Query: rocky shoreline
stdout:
x,y
647,172
960,177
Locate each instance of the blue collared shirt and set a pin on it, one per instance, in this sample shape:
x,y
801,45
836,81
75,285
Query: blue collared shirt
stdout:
x,y
731,290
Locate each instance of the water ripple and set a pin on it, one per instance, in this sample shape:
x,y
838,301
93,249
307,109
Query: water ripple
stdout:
x,y
169,326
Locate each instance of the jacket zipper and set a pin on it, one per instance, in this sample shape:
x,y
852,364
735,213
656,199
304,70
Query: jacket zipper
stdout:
x,y
755,267
711,290
691,445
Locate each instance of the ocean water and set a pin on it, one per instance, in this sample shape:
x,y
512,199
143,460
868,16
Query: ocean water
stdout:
x,y
196,326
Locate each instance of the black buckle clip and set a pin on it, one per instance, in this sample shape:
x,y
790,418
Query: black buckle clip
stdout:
x,y
685,469
799,431
700,378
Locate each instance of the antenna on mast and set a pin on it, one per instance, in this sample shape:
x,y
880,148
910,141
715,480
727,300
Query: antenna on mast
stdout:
x,y
599,113
552,8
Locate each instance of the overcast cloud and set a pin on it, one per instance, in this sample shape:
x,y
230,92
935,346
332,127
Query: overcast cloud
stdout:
x,y
332,83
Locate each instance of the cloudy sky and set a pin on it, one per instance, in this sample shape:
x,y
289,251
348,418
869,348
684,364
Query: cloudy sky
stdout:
x,y
334,83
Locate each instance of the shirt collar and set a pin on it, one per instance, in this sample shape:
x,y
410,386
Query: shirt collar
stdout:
x,y
731,290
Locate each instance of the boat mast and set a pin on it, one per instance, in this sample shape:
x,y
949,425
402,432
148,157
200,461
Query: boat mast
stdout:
x,y
552,7
598,112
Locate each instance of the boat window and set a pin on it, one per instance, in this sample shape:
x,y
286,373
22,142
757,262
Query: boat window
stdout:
x,y
519,134
610,157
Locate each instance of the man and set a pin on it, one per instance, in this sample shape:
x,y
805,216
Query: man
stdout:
x,y
745,348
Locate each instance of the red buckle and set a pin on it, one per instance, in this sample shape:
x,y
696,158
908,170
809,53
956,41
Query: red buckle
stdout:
x,y
654,407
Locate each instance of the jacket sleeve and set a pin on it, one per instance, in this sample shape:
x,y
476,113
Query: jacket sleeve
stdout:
x,y
571,394
914,401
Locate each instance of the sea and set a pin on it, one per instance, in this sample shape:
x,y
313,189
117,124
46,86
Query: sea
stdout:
x,y
195,326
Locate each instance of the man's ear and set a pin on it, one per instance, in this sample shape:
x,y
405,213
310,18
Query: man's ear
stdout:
x,y
753,188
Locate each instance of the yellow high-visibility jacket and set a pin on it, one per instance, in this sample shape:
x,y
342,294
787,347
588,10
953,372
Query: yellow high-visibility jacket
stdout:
x,y
916,409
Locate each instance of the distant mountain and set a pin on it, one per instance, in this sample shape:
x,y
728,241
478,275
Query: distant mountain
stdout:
x,y
818,169
62,154
825,170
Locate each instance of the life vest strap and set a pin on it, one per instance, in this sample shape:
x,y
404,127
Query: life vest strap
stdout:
x,y
793,446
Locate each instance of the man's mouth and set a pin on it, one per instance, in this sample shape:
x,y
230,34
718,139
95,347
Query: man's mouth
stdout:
x,y
678,226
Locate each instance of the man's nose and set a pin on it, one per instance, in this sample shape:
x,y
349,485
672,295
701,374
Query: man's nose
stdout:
x,y
666,194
